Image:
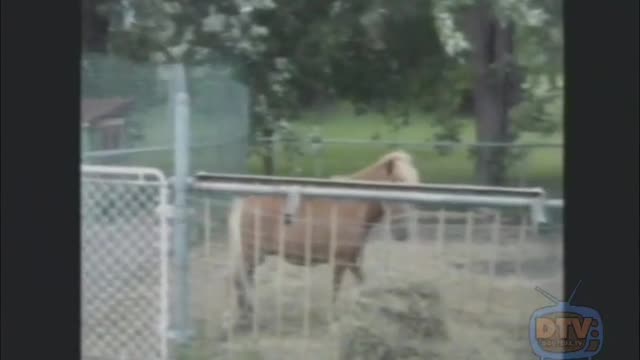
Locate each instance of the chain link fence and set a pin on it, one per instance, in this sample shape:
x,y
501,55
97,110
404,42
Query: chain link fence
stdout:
x,y
464,279
124,264
142,134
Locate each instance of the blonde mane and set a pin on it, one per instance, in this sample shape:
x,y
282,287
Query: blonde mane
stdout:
x,y
403,169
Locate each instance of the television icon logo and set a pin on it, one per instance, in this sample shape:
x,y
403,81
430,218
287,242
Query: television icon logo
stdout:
x,y
565,331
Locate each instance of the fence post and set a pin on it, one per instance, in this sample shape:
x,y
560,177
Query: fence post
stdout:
x,y
468,239
316,149
440,240
522,241
207,225
181,168
308,233
414,218
525,167
274,143
496,228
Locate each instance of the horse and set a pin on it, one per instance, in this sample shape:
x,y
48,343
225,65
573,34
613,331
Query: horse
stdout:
x,y
322,230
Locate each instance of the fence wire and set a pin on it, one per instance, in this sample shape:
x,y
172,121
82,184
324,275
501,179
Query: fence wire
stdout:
x,y
124,274
218,108
482,265
459,281
530,164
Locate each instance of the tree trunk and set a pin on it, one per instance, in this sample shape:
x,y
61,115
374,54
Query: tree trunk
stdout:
x,y
495,89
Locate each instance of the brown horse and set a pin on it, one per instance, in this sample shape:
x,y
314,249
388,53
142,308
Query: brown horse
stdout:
x,y
322,231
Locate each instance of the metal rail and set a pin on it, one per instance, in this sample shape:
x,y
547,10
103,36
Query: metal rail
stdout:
x,y
135,174
293,188
531,193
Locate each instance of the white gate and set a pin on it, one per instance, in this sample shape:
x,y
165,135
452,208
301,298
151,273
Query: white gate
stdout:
x,y
467,268
124,263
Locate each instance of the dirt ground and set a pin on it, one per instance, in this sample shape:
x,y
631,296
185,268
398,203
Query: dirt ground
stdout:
x,y
486,316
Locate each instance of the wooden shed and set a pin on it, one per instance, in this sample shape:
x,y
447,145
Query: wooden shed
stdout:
x,y
103,123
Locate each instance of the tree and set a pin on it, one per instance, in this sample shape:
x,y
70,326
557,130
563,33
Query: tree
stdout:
x,y
496,86
288,51
387,56
487,36
94,27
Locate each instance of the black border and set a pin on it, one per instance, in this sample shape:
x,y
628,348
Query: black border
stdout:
x,y
601,187
40,215
40,180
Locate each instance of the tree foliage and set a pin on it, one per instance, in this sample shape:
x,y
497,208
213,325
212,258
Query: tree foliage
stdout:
x,y
388,56
538,39
513,51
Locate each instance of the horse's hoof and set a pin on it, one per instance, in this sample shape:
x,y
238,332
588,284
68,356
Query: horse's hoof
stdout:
x,y
222,337
242,326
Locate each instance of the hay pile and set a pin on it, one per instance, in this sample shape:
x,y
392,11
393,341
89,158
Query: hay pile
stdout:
x,y
400,322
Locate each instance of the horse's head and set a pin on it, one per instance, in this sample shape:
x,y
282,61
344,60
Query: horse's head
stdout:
x,y
399,168
394,167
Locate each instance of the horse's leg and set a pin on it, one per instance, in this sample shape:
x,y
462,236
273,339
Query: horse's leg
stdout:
x,y
244,278
338,273
241,287
356,270
245,302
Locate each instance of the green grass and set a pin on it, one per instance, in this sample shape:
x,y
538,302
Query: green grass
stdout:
x,y
158,132
542,167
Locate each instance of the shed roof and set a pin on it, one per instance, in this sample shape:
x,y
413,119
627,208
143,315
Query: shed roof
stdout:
x,y
94,110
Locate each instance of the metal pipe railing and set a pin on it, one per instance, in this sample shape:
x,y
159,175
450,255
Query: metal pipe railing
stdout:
x,y
533,192
358,190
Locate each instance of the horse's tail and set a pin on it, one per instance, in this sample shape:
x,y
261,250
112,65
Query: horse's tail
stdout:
x,y
237,259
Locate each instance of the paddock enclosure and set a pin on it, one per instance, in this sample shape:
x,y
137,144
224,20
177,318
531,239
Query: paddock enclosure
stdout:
x,y
460,287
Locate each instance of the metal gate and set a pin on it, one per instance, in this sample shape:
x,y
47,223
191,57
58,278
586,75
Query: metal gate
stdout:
x,y
461,285
124,263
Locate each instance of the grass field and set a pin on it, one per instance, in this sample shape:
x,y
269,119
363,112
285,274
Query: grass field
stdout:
x,y
541,167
